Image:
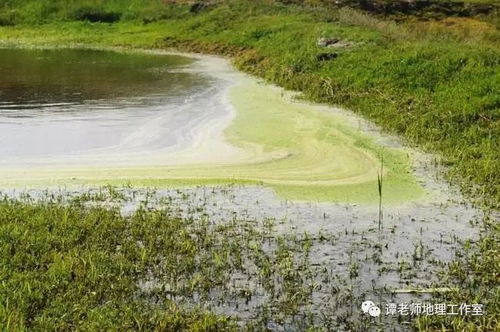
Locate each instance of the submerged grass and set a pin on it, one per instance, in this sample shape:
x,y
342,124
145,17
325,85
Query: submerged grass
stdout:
x,y
68,267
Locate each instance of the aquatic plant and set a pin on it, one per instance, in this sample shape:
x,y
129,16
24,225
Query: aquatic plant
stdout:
x,y
380,176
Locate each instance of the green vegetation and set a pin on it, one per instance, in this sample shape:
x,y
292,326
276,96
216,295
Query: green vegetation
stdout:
x,y
475,271
70,264
14,12
69,267
435,83
44,11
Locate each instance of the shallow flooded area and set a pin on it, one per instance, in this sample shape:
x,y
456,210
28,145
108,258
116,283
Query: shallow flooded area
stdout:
x,y
300,263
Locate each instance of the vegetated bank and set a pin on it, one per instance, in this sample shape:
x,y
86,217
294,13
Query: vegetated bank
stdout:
x,y
434,82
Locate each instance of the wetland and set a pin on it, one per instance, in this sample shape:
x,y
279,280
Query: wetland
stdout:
x,y
143,188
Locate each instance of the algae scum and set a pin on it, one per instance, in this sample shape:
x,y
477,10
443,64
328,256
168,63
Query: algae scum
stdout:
x,y
274,205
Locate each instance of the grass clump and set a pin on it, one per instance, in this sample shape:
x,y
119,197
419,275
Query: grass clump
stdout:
x,y
67,267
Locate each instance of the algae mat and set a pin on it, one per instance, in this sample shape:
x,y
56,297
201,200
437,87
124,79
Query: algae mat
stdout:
x,y
302,151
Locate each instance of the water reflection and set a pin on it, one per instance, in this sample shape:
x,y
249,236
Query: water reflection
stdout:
x,y
55,103
59,79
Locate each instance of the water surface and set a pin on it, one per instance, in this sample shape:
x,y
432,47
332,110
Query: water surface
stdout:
x,y
70,102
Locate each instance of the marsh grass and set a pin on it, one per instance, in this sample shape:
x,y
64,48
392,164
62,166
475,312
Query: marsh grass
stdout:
x,y
175,259
380,179
78,264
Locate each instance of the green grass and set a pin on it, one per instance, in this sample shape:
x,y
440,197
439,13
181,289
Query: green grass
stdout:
x,y
44,11
71,264
68,267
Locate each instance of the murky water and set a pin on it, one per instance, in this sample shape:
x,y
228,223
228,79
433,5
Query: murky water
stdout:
x,y
72,102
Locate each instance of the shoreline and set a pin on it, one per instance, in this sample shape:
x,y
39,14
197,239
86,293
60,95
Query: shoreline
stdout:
x,y
163,35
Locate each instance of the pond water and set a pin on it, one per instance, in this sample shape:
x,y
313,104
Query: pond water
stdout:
x,y
68,102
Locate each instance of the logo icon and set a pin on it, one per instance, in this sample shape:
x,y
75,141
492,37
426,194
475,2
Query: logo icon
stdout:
x,y
370,308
